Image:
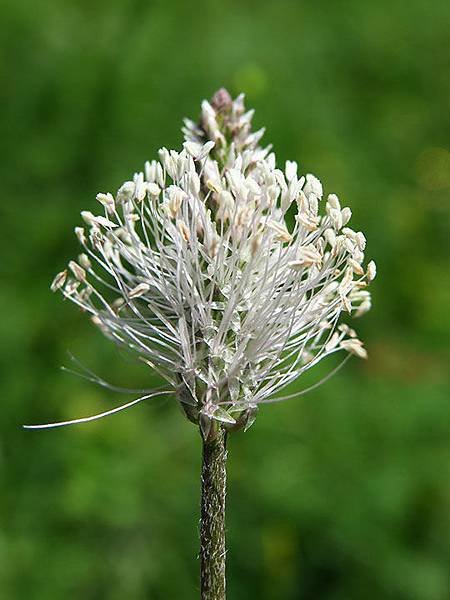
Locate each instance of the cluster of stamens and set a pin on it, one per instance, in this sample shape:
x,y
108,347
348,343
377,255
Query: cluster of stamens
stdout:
x,y
220,271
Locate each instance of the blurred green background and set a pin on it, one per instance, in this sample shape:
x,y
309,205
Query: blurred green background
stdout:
x,y
341,495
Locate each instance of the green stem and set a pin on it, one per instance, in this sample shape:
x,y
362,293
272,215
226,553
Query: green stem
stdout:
x,y
212,520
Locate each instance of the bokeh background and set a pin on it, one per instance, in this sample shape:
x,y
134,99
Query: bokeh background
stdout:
x,y
341,495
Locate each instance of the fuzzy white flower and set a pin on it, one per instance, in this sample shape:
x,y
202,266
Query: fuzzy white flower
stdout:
x,y
194,266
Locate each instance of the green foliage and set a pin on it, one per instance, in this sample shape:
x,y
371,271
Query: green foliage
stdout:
x,y
340,495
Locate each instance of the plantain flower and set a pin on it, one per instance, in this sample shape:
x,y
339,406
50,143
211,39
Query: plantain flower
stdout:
x,y
224,273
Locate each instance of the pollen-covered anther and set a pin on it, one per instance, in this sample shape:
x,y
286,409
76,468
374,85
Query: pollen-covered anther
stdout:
x,y
88,217
346,283
357,268
213,185
308,221
59,281
346,304
126,191
175,198
193,148
330,236
141,191
78,271
225,203
117,304
307,256
97,321
212,245
332,342
71,287
107,200
364,307
84,261
281,232
346,215
198,151
184,230
79,232
243,217
348,331
96,238
291,170
333,203
153,189
255,242
98,220
139,290
354,346
313,186
371,270
336,218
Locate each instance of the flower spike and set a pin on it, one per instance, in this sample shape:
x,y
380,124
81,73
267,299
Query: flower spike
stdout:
x,y
195,267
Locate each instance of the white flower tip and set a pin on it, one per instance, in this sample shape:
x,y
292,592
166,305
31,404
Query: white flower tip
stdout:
x,y
346,215
354,346
126,191
84,261
192,148
93,220
87,217
153,189
313,186
291,170
79,232
79,272
107,200
59,281
371,270
355,265
333,202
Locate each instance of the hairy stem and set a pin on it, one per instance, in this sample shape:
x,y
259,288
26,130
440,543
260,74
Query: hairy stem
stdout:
x,y
212,520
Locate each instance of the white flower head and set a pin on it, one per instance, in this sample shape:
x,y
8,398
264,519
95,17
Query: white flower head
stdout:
x,y
193,266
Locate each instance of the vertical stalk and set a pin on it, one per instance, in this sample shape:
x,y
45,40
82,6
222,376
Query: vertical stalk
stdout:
x,y
212,519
